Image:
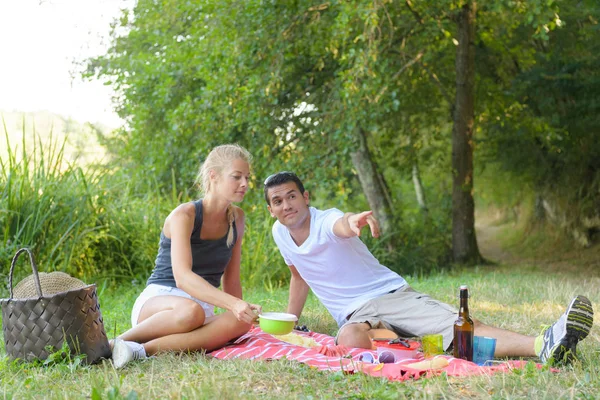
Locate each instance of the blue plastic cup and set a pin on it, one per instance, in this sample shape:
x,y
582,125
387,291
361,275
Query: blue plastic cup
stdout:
x,y
483,350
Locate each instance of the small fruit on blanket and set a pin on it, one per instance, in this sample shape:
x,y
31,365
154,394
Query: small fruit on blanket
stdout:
x,y
434,363
302,328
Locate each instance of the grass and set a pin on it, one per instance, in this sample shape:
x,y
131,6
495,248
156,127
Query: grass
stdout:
x,y
508,297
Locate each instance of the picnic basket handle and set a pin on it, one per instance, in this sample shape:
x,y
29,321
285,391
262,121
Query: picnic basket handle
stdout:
x,y
36,277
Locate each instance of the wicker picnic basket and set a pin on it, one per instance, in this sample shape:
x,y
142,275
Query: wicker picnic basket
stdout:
x,y
36,322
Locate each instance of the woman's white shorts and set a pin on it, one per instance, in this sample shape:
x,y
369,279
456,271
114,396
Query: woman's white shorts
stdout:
x,y
154,290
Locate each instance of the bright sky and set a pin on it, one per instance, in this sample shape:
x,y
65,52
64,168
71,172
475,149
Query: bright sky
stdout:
x,y
39,41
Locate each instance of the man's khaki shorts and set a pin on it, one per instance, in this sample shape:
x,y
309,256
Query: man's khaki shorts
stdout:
x,y
408,313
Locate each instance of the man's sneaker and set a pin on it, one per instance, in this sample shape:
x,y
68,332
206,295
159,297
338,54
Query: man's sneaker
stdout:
x,y
561,338
125,351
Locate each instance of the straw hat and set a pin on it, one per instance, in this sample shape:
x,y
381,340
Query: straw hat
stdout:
x,y
51,283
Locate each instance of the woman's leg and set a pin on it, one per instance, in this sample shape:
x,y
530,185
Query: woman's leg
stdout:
x,y
214,335
165,315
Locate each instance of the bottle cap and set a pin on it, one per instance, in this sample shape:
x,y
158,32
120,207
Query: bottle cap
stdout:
x,y
463,287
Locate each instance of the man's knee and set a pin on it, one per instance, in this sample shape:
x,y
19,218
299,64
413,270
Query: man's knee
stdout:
x,y
355,335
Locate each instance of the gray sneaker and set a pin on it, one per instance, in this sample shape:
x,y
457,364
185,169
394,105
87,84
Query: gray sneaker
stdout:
x,y
561,338
124,352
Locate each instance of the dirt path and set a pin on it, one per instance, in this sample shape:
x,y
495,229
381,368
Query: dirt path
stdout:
x,y
560,257
489,244
489,231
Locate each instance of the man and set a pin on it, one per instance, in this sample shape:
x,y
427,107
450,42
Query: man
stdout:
x,y
368,300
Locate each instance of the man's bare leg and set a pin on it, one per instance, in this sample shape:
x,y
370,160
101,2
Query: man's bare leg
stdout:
x,y
508,343
360,335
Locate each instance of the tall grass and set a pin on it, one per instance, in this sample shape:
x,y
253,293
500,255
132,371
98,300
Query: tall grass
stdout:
x,y
81,220
42,203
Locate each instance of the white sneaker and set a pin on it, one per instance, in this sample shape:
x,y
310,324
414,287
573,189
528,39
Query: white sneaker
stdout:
x,y
125,351
561,338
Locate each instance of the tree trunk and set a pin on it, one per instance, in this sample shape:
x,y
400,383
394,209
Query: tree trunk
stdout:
x,y
464,241
373,185
420,193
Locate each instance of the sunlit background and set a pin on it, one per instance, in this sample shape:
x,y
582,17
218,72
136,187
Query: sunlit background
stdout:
x,y
40,40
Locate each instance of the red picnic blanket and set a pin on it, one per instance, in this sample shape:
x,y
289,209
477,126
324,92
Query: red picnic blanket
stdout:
x,y
257,344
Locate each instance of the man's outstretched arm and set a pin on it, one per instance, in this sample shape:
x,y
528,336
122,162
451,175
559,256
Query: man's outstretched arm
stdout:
x,y
351,224
298,293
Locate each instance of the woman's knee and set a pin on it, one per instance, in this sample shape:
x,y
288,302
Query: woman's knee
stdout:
x,y
190,317
241,327
235,326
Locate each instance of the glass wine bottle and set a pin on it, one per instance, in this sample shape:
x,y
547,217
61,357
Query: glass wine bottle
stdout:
x,y
464,328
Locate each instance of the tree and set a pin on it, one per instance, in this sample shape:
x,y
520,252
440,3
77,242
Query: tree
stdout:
x,y
336,91
464,241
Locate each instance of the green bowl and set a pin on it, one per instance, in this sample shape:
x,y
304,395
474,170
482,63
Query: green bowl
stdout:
x,y
277,323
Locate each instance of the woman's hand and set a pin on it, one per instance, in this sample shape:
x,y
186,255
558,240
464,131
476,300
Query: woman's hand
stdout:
x,y
246,312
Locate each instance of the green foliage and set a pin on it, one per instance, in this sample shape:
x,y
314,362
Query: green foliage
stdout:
x,y
293,83
40,202
546,137
62,356
83,221
112,393
262,265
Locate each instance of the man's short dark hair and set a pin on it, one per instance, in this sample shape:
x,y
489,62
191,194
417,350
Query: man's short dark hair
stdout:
x,y
279,179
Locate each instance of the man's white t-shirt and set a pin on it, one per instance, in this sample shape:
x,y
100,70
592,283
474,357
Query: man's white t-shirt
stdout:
x,y
341,272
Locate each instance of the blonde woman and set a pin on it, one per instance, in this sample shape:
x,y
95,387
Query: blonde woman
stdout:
x,y
200,246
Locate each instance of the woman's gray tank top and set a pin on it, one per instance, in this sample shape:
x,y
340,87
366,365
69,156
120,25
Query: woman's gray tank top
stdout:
x,y
209,257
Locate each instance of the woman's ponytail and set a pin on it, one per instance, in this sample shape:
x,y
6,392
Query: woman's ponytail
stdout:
x,y
231,219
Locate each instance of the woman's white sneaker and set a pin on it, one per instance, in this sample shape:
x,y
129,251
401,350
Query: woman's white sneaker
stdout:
x,y
125,351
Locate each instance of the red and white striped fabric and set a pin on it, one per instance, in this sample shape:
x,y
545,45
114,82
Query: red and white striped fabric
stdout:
x,y
327,356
